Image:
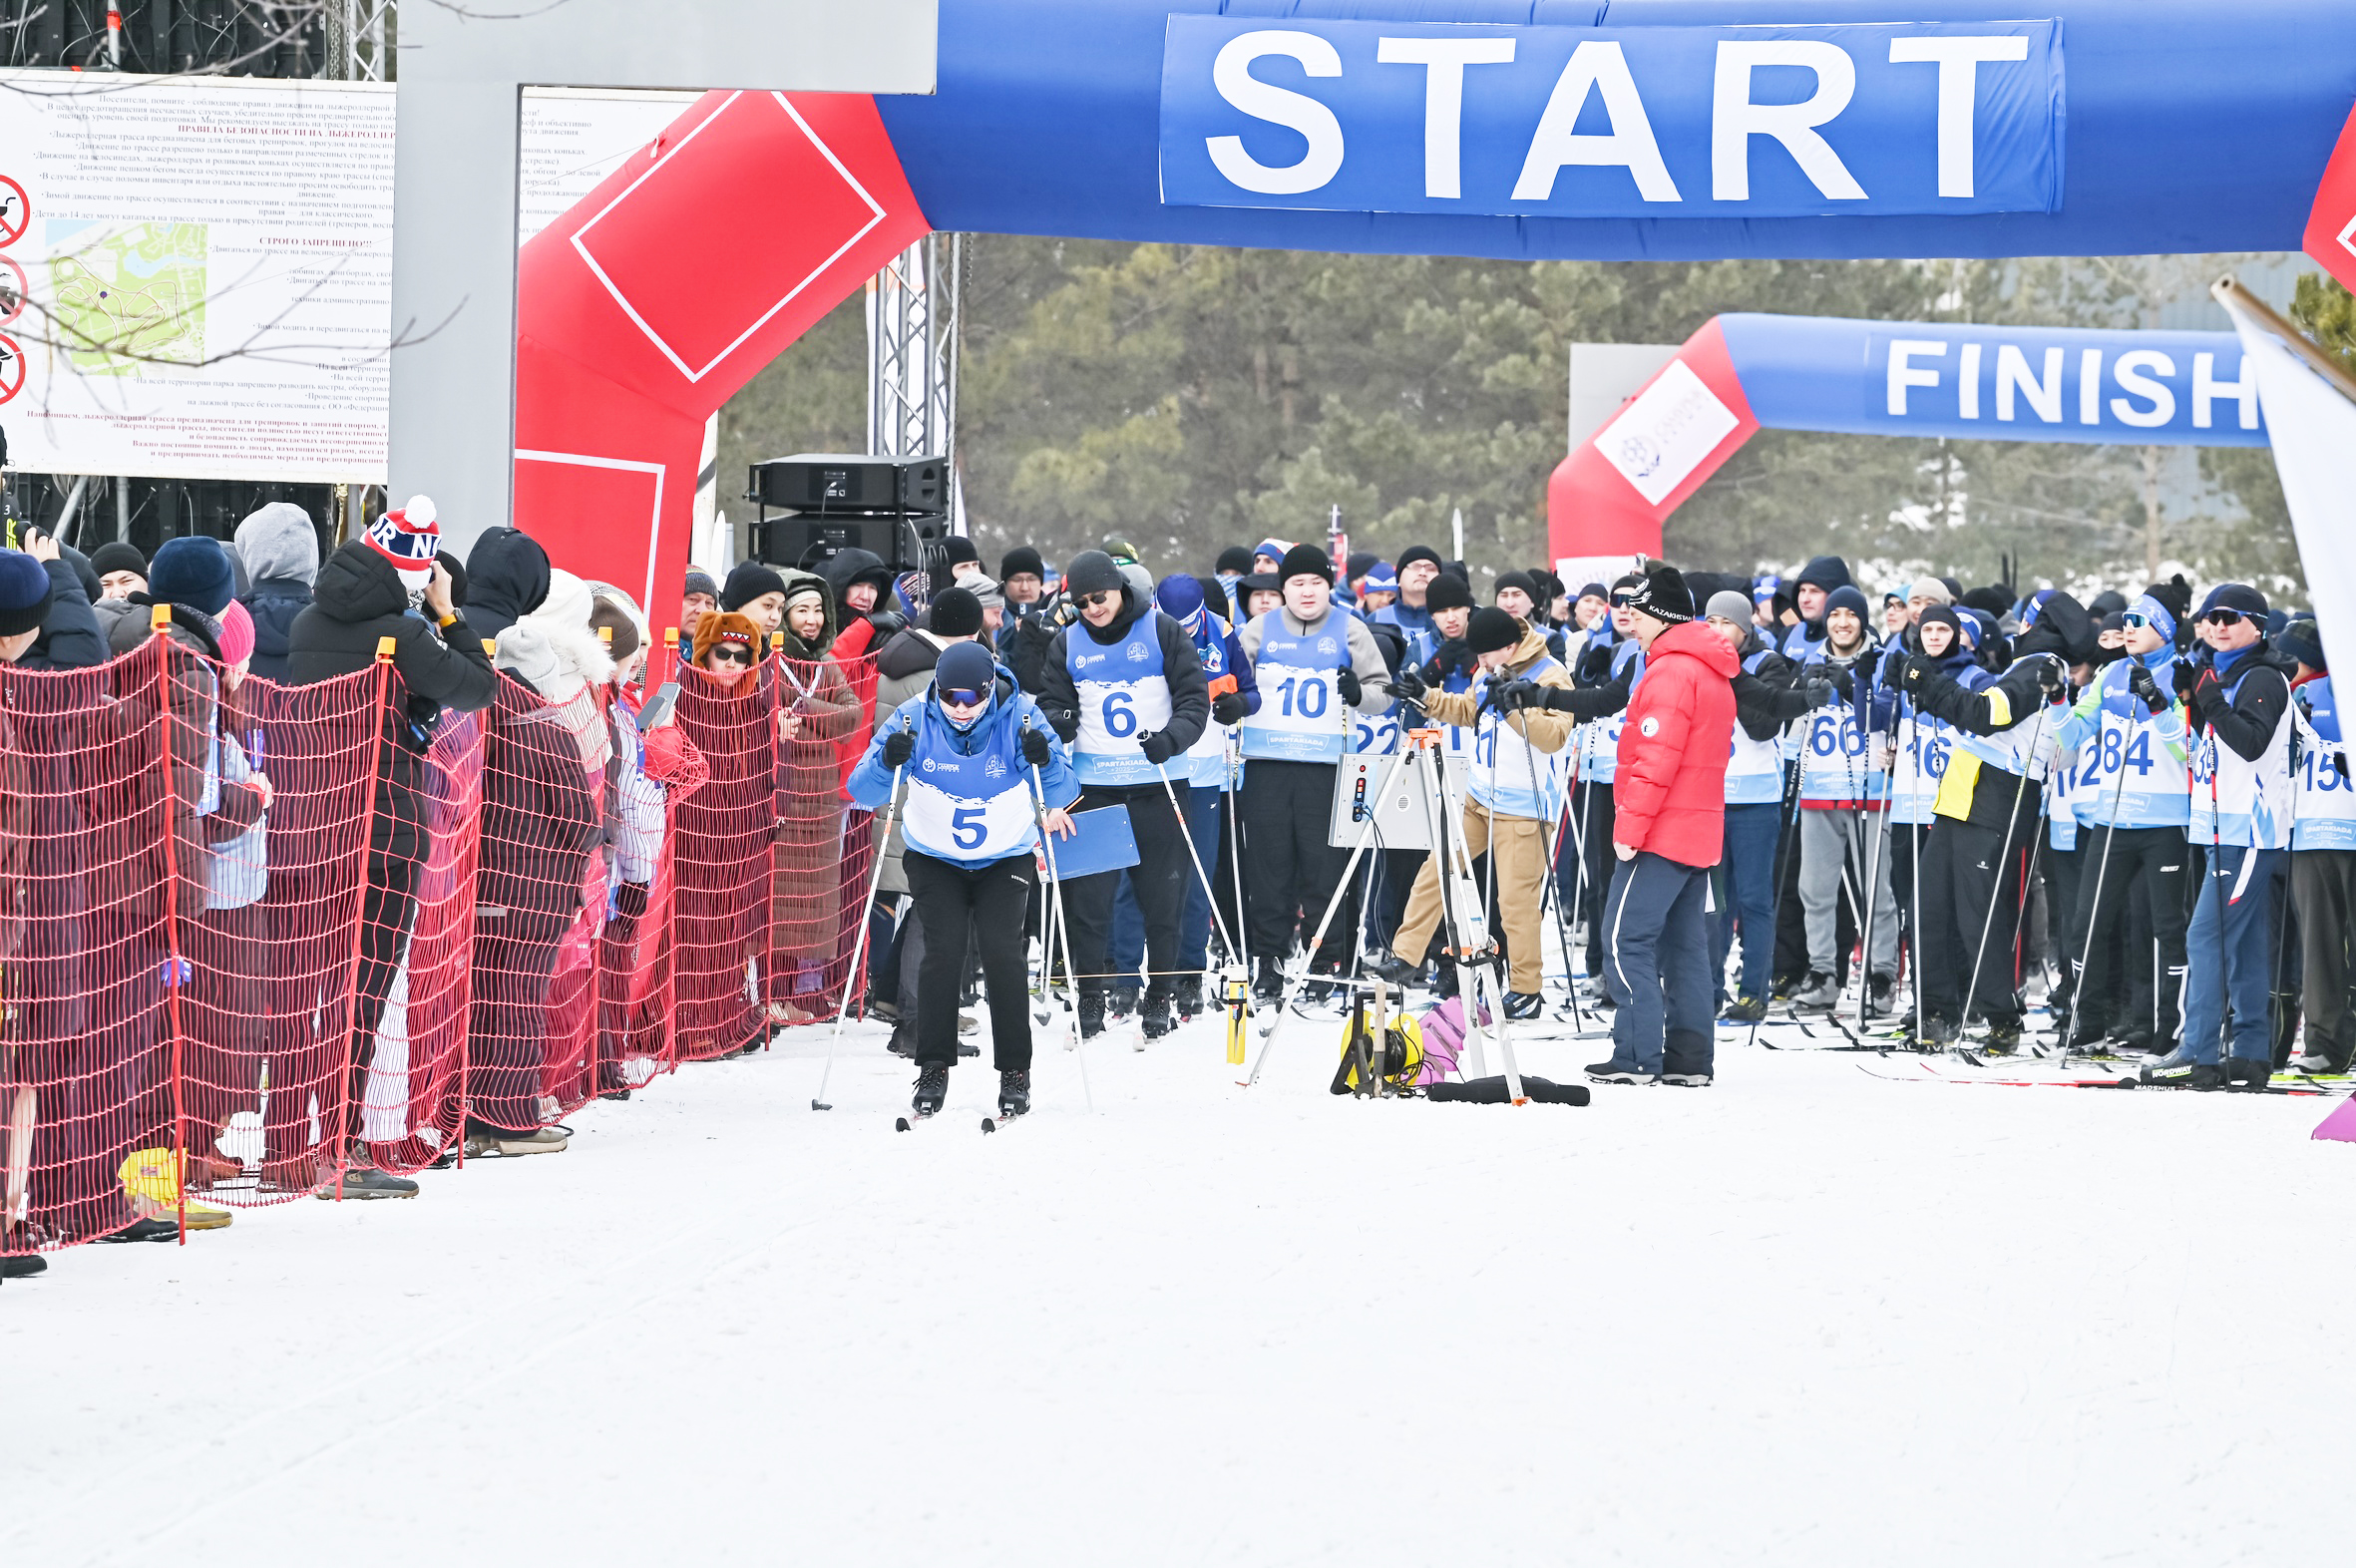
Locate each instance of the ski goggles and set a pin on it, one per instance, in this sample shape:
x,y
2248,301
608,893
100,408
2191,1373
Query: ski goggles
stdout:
x,y
2135,621
964,697
1624,597
2225,618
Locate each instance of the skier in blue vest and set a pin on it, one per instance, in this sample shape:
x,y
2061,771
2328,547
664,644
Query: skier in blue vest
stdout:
x,y
967,747
1125,689
2322,855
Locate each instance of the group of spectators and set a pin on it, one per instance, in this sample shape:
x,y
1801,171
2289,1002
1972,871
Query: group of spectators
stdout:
x,y
1964,790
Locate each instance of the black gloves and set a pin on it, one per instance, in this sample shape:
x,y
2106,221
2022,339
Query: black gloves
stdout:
x,y
899,746
1449,655
1817,693
1912,671
1511,696
1839,677
1066,722
1410,684
887,622
2052,678
1345,681
1595,665
1037,749
2187,674
2145,688
1227,708
2208,693
1157,746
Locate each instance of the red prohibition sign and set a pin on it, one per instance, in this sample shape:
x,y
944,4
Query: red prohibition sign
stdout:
x,y
16,210
11,290
12,369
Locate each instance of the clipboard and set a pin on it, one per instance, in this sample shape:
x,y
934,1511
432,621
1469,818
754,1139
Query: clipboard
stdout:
x,y
1105,842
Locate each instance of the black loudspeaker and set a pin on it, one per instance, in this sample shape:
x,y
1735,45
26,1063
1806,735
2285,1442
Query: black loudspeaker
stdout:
x,y
905,541
837,484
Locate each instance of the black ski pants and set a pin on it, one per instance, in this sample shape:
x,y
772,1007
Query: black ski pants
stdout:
x,y
986,901
1593,805
1159,880
1289,871
2144,870
2323,889
1967,872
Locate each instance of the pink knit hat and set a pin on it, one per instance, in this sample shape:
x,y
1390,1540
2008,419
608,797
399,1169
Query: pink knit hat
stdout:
x,y
236,635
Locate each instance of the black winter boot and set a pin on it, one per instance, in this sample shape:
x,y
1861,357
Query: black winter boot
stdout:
x,y
1156,1021
932,1090
1092,1014
1014,1092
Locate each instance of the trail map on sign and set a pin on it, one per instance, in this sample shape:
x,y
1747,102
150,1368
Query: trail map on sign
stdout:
x,y
130,297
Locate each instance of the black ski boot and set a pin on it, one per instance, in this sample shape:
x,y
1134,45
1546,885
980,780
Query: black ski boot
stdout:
x,y
1751,1009
932,1090
2177,1071
1186,998
2241,1073
1120,1004
1880,991
1092,1014
1395,970
1937,1031
1269,988
1157,1020
1014,1092
2004,1036
1523,1006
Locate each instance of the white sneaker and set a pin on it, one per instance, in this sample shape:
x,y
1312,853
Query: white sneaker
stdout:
x,y
2313,1063
547,1140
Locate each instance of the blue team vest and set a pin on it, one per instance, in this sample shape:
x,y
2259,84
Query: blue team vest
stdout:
x,y
969,808
2326,812
1300,717
1206,759
1754,768
1124,693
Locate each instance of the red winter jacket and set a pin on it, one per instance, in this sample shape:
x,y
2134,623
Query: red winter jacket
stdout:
x,y
1669,796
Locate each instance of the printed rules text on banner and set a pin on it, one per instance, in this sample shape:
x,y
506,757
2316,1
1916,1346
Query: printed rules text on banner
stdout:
x,y
1613,122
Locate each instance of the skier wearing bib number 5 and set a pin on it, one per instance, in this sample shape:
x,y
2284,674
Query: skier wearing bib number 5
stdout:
x,y
1125,689
966,747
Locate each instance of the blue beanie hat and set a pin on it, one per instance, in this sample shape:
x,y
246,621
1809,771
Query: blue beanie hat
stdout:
x,y
24,593
1846,597
1180,598
964,667
195,573
2156,614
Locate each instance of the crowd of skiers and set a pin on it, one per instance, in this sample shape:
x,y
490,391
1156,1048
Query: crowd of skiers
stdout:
x,y
2136,806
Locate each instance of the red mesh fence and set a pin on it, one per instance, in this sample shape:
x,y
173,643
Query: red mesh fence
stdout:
x,y
251,932
772,860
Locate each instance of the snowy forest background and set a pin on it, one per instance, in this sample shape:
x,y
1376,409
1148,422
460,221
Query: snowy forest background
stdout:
x,y
1188,398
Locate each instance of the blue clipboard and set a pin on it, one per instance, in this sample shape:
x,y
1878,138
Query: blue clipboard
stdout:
x,y
1104,842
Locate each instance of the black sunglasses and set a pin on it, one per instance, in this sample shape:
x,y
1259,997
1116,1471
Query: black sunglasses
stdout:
x,y
731,656
1102,596
2225,618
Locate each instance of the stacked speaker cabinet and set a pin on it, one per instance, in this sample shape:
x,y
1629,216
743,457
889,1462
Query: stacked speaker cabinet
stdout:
x,y
829,502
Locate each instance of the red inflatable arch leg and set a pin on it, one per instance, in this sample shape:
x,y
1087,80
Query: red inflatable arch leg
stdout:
x,y
646,306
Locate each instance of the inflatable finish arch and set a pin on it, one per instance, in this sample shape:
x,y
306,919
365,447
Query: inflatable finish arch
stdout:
x,y
1744,373
1601,128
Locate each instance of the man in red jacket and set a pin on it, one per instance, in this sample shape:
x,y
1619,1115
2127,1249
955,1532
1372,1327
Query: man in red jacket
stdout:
x,y
1670,826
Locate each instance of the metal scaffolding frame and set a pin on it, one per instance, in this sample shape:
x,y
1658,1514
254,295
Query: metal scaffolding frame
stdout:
x,y
912,329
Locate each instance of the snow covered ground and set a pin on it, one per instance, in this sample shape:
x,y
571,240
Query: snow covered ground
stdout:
x,y
1804,1316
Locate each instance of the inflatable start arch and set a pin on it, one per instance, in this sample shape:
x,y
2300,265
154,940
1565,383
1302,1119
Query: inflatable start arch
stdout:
x,y
1599,129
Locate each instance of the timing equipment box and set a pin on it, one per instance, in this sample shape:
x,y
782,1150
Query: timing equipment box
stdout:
x,y
1401,815
837,483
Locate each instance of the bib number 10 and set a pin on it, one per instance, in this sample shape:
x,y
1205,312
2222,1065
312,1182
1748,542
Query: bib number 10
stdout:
x,y
1303,696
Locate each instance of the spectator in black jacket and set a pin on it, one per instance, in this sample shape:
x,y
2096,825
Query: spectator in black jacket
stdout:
x,y
279,548
364,594
68,638
507,576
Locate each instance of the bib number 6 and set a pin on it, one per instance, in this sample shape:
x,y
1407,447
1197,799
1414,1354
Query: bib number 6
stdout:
x,y
1120,716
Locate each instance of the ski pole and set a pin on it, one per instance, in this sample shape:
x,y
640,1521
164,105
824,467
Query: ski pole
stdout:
x,y
1194,855
2012,821
1062,927
2094,905
1546,889
1366,835
875,879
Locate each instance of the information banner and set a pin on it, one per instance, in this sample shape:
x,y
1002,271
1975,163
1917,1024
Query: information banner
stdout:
x,y
199,275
